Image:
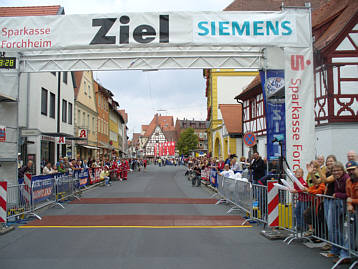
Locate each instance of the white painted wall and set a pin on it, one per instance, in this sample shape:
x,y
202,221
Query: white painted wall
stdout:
x,y
30,107
337,139
229,87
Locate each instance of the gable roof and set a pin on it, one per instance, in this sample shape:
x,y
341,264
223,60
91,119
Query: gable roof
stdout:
x,y
166,123
123,114
31,11
135,139
330,21
78,77
251,90
232,116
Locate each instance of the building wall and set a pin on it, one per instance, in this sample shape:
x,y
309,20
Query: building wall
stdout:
x,y
113,127
328,137
86,96
30,116
224,85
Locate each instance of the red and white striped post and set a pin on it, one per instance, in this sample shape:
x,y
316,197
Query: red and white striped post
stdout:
x,y
3,193
272,201
27,188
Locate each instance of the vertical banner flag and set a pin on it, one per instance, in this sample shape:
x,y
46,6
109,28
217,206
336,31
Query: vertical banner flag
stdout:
x,y
155,149
273,85
161,149
299,99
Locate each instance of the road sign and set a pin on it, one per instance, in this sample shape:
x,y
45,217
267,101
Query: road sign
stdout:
x,y
250,139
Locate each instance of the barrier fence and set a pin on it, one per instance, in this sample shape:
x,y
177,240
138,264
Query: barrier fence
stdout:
x,y
305,216
43,190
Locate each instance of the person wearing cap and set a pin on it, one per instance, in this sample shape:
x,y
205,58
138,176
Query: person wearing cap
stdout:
x,y
352,185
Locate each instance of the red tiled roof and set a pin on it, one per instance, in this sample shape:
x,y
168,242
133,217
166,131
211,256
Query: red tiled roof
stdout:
x,y
30,11
123,114
78,77
266,5
251,90
166,123
135,138
331,21
232,116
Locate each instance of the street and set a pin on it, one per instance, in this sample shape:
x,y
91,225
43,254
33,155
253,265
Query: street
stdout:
x,y
104,230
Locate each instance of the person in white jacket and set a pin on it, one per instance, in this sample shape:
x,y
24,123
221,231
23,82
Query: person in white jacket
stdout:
x,y
227,171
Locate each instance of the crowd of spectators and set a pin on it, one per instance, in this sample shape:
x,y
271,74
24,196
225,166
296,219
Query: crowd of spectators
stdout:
x,y
335,182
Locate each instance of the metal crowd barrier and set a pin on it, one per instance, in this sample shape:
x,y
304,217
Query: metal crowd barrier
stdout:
x,y
45,190
259,209
304,215
321,217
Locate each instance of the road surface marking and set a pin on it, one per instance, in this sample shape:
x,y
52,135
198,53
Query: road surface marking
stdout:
x,y
146,227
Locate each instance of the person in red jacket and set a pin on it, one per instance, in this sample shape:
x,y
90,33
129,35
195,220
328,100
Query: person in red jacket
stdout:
x,y
125,168
114,168
302,199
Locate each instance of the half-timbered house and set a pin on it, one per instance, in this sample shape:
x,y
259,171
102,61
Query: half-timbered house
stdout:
x,y
335,33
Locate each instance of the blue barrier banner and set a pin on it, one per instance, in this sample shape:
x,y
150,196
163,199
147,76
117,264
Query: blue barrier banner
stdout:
x,y
43,187
213,178
83,177
273,84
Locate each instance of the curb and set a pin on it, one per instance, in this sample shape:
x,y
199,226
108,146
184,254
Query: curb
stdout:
x,y
5,230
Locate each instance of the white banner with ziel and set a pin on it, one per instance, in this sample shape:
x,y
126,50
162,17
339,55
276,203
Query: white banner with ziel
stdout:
x,y
184,29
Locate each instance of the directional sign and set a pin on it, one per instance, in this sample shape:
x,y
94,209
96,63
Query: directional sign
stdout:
x,y
250,139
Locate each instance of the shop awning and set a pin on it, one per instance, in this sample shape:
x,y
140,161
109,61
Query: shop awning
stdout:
x,y
88,147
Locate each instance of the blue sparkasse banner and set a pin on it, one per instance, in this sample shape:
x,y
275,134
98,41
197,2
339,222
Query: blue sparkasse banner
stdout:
x,y
272,83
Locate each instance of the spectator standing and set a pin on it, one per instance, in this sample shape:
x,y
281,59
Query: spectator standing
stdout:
x,y
25,169
336,211
301,200
258,167
47,169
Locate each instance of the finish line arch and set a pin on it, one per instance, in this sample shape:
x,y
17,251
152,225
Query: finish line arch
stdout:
x,y
167,40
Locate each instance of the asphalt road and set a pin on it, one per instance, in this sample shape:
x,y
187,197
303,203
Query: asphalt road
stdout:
x,y
134,247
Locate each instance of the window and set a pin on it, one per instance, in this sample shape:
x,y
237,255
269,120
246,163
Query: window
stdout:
x,y
44,102
64,77
83,120
89,91
85,87
79,117
64,110
93,126
69,113
88,121
52,105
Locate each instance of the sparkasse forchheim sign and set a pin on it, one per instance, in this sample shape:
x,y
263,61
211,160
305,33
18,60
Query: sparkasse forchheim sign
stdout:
x,y
289,29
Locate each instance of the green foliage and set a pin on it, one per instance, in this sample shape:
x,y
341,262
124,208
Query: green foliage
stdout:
x,y
188,141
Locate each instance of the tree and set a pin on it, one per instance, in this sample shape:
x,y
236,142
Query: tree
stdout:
x,y
188,141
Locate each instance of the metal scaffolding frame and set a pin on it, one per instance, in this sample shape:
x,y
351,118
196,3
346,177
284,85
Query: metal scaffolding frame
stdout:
x,y
248,58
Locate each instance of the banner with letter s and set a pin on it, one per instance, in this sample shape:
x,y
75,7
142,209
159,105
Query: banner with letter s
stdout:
x,y
299,98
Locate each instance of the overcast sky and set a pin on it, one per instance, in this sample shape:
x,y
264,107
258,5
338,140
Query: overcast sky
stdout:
x,y
181,93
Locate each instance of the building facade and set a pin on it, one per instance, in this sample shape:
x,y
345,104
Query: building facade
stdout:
x,y
335,30
200,129
102,96
51,116
86,116
221,88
